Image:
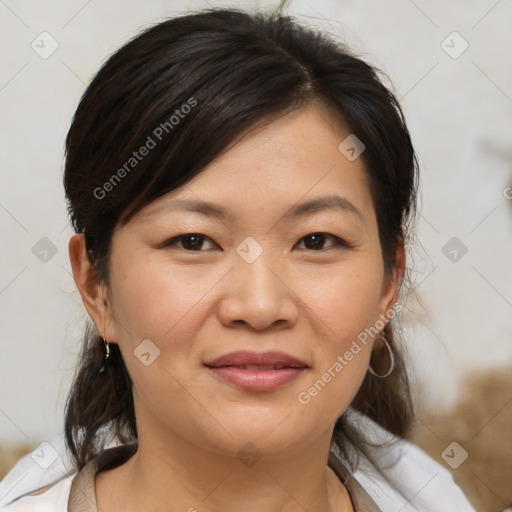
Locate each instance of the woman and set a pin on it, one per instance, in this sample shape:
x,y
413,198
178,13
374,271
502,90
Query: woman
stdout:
x,y
241,188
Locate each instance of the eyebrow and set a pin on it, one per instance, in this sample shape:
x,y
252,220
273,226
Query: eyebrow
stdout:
x,y
333,202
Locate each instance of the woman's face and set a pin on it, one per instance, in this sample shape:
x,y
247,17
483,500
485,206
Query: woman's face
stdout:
x,y
252,279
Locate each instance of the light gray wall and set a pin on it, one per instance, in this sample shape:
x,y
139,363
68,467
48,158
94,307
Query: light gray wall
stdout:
x,y
460,114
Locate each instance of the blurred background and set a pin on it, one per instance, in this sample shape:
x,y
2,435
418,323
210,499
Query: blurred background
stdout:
x,y
449,64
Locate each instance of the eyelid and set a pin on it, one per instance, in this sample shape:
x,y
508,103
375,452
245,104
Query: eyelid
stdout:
x,y
176,239
337,241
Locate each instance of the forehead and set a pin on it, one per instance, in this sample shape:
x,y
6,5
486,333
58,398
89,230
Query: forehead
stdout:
x,y
292,164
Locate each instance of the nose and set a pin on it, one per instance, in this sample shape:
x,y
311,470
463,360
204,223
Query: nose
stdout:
x,y
256,295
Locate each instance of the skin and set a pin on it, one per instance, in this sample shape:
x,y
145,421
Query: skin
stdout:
x,y
195,305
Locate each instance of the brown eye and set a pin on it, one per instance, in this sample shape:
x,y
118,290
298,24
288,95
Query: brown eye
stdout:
x,y
316,241
189,241
194,242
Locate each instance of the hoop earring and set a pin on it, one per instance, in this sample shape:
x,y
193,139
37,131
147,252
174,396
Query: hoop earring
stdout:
x,y
392,357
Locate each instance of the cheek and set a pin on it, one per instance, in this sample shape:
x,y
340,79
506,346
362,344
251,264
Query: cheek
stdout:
x,y
164,306
151,301
343,305
345,301
154,301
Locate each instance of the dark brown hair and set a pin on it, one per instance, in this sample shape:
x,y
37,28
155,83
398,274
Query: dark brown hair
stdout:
x,y
220,72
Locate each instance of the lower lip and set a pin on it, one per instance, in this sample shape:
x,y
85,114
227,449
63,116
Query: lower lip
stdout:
x,y
257,380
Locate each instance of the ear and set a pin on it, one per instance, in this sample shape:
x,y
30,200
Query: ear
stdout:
x,y
94,294
391,285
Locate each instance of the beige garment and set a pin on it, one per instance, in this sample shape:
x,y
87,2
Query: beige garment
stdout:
x,y
82,497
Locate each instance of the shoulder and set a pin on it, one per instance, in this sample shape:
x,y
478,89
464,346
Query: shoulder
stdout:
x,y
410,480
46,480
41,480
53,498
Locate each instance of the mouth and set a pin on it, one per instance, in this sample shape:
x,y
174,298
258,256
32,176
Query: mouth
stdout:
x,y
258,367
270,360
257,372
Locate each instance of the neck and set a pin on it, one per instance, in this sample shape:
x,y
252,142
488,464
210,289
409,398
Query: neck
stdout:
x,y
175,475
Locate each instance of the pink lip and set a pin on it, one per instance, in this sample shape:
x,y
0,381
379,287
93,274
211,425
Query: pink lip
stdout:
x,y
244,357
257,380
231,368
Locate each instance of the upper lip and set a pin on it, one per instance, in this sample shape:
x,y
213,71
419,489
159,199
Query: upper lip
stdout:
x,y
271,358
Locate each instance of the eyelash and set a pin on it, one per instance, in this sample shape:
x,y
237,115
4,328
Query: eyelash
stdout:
x,y
338,242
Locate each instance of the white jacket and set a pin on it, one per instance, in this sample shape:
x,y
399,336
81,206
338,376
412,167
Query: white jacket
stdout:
x,y
415,483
